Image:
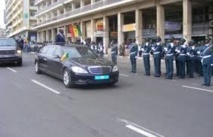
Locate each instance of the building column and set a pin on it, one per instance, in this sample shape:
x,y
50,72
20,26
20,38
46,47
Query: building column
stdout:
x,y
93,30
47,35
92,1
187,20
53,35
42,36
120,29
160,21
83,30
138,22
106,34
73,6
82,3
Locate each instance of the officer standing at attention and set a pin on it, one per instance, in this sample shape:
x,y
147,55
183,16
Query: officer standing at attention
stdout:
x,y
206,62
114,52
191,54
133,52
157,51
146,48
169,57
177,48
182,58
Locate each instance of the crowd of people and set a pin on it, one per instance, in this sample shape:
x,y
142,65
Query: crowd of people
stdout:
x,y
190,57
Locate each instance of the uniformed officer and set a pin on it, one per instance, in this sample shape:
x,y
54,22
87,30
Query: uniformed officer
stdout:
x,y
177,48
182,58
93,46
133,52
100,49
206,62
157,51
114,52
199,50
146,48
169,57
191,54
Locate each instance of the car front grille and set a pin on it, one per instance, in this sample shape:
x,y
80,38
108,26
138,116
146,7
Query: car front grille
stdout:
x,y
99,69
7,52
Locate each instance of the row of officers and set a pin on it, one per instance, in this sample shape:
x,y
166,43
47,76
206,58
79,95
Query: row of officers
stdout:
x,y
190,57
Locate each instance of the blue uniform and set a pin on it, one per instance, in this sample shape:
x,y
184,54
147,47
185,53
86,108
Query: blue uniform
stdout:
x,y
206,61
60,39
191,55
146,48
133,52
157,51
182,61
114,53
169,57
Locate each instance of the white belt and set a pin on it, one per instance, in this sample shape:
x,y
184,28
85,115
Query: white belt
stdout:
x,y
112,52
182,54
208,56
145,54
169,54
156,52
132,53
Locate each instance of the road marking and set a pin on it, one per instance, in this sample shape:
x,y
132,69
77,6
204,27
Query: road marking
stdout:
x,y
124,75
12,70
44,86
201,89
139,129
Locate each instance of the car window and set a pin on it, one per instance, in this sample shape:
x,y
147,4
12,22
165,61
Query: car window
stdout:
x,y
58,52
7,42
43,50
77,52
51,51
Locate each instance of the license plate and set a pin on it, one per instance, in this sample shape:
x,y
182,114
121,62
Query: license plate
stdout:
x,y
104,77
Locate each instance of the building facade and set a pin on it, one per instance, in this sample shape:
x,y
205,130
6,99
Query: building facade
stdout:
x,y
121,20
19,18
2,32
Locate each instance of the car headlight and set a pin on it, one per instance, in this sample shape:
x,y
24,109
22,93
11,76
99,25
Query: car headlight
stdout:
x,y
19,51
78,70
115,68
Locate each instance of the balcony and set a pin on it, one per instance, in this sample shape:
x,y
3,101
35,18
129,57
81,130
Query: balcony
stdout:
x,y
38,1
51,6
88,9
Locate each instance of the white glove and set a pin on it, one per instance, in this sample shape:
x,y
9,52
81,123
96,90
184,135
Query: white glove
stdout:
x,y
198,52
165,49
142,49
153,48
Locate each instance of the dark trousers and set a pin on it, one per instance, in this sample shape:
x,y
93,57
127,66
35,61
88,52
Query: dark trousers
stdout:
x,y
187,67
146,62
191,68
207,73
182,68
114,59
177,67
169,67
200,68
133,64
157,65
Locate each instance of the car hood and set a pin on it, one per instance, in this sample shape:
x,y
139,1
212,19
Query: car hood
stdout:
x,y
7,48
85,62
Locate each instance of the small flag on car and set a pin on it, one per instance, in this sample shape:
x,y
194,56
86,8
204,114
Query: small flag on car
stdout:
x,y
65,56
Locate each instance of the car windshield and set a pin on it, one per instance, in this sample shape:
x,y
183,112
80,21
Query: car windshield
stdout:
x,y
7,42
80,52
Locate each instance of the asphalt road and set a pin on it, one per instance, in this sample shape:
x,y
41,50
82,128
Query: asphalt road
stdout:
x,y
34,105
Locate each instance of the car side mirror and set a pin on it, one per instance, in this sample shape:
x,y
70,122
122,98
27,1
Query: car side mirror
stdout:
x,y
57,57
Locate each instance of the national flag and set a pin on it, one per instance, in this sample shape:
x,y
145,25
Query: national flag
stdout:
x,y
65,56
75,29
71,31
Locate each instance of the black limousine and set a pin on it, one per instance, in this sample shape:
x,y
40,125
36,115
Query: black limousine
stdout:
x,y
75,65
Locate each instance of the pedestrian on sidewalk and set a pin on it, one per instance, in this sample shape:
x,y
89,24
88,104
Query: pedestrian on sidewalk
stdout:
x,y
60,38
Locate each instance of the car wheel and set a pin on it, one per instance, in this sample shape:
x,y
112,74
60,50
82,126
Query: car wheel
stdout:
x,y
67,79
19,63
37,70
